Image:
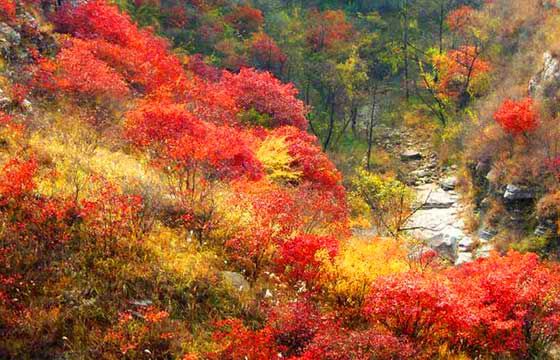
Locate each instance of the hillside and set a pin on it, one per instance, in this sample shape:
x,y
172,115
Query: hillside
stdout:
x,y
273,179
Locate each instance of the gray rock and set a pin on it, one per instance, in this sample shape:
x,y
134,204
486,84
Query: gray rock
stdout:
x,y
410,155
487,234
431,196
236,280
546,227
548,76
446,242
449,183
516,193
463,258
420,173
142,303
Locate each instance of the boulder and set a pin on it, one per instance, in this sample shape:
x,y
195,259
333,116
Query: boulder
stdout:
x,y
236,280
517,193
449,183
486,235
547,81
446,242
463,258
433,197
410,155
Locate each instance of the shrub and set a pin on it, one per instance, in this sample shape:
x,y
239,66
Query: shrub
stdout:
x,y
517,116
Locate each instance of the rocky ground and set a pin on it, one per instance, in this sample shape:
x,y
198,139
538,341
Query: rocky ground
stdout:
x,y
438,222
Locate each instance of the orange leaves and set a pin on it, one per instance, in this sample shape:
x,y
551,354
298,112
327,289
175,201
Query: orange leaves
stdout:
x,y
460,18
239,342
458,69
517,117
327,29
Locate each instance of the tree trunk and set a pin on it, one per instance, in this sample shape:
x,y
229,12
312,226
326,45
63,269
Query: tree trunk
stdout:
x,y
370,127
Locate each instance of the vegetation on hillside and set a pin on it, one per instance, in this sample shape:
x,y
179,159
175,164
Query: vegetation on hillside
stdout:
x,y
166,189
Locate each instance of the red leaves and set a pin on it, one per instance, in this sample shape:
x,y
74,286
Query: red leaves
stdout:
x,y
265,53
418,306
76,69
223,148
245,19
298,256
239,342
139,56
218,150
7,9
336,343
264,93
517,117
512,302
16,179
501,305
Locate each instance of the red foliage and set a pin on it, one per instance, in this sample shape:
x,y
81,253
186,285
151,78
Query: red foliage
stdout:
x,y
7,9
419,306
109,215
222,148
327,29
200,68
264,93
274,219
19,93
512,303
245,19
309,158
517,117
334,342
76,69
159,120
460,18
139,56
265,53
238,342
96,20
298,256
295,325
16,179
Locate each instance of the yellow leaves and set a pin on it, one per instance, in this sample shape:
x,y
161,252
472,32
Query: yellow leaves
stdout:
x,y
348,277
273,154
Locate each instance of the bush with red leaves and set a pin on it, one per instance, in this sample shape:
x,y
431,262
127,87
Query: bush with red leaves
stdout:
x,y
298,256
245,19
517,117
7,9
261,91
238,342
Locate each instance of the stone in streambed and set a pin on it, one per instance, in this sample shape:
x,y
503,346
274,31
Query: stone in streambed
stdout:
x,y
410,155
